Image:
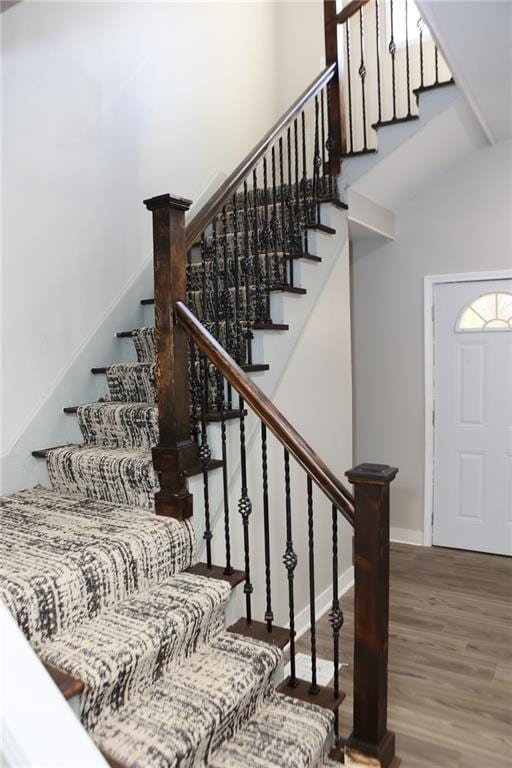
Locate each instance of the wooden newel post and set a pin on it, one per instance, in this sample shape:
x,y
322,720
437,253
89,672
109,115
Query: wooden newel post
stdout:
x,y
370,737
176,451
336,115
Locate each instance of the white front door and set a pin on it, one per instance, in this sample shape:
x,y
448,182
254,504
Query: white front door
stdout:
x,y
473,416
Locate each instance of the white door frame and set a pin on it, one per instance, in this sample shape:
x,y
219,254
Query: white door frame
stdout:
x,y
429,283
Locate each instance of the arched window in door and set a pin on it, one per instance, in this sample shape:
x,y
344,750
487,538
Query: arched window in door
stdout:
x,y
489,312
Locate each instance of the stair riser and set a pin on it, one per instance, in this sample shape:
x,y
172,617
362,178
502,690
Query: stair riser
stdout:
x,y
119,426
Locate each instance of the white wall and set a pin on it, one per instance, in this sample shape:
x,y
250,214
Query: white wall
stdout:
x,y
105,104
459,223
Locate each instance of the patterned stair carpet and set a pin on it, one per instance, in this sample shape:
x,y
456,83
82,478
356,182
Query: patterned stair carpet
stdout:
x,y
98,585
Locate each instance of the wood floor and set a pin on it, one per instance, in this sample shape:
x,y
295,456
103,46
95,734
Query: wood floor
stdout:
x,y
450,657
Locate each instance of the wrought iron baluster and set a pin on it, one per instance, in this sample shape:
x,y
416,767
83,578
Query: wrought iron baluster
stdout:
x,y
194,385
436,64
247,267
226,296
407,59
329,146
282,203
392,51
266,242
274,222
290,562
305,213
238,346
292,234
259,289
377,38
349,87
322,138
317,161
245,509
362,75
312,593
269,616
299,246
205,305
335,617
225,476
204,457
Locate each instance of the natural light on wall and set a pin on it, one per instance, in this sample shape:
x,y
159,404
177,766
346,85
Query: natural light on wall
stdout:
x,y
413,25
490,312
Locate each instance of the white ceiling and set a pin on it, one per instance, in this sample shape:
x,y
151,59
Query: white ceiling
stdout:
x,y
475,37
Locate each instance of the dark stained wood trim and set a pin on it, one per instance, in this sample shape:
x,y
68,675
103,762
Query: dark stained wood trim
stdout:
x,y
211,417
270,327
337,132
324,698
359,152
370,734
229,187
395,121
349,10
278,636
41,453
217,572
321,228
274,289
267,412
255,367
69,686
334,201
425,88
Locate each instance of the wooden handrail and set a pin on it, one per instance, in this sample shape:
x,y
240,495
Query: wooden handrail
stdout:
x,y
268,413
211,208
349,10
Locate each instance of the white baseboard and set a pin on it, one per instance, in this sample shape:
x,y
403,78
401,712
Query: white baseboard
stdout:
x,y
323,602
406,536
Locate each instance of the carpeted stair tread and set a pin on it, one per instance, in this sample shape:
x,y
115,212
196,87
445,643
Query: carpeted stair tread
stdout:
x,y
126,648
116,475
284,733
119,425
186,715
64,560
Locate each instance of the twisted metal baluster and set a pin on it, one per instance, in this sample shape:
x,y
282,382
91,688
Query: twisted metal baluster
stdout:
x,y
297,188
245,509
260,295
228,570
322,138
407,61
204,301
266,242
335,617
349,87
436,64
269,616
305,215
377,37
420,24
226,297
238,344
282,196
362,75
290,562
392,51
194,387
247,267
292,234
312,593
274,223
205,455
317,161
329,145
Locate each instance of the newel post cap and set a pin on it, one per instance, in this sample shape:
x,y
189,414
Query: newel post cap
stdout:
x,y
374,474
167,201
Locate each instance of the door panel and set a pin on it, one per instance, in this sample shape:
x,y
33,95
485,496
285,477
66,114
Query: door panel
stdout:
x,y
473,421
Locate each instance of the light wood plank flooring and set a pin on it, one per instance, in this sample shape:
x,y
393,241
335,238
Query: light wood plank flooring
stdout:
x,y
450,657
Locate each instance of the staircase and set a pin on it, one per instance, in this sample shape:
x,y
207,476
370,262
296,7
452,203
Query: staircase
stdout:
x,y
131,625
